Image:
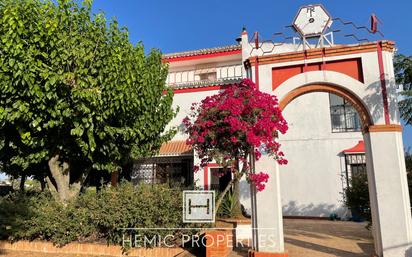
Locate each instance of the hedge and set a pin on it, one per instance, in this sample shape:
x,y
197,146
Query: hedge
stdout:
x,y
93,216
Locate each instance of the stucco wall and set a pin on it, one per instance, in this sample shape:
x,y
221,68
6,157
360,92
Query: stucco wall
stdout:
x,y
184,101
312,182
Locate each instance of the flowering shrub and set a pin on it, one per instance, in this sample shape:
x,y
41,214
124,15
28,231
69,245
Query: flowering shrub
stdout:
x,y
225,127
259,180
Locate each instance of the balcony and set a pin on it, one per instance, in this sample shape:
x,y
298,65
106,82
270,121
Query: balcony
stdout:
x,y
205,76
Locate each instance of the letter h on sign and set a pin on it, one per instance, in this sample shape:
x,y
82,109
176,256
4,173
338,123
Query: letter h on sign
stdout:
x,y
198,206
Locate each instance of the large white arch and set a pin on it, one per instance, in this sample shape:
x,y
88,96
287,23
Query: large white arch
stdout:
x,y
391,213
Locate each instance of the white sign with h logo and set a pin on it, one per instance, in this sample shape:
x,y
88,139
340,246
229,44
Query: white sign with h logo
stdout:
x,y
198,206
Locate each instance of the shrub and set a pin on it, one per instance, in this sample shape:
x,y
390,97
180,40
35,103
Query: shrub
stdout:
x,y
15,208
228,208
357,197
93,216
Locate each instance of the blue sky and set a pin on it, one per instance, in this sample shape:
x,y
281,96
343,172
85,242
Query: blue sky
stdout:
x,y
183,25
189,24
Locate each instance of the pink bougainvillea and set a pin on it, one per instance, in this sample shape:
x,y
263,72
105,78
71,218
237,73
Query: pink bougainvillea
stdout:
x,y
227,126
259,180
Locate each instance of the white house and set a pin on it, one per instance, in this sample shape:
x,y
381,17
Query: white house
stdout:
x,y
323,145
340,101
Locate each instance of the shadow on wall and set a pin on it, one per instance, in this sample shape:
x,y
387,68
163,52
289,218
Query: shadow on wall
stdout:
x,y
292,208
408,252
374,99
244,189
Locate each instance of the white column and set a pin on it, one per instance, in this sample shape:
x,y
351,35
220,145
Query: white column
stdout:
x,y
198,177
388,189
269,209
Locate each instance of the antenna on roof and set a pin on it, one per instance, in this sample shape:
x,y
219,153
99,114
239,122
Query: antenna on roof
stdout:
x,y
374,23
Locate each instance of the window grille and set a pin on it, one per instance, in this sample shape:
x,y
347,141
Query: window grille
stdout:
x,y
344,117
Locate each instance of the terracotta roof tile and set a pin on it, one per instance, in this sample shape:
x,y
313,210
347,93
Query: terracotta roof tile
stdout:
x,y
219,49
175,148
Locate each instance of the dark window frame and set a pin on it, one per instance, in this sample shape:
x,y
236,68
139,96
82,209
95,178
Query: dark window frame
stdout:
x,y
345,111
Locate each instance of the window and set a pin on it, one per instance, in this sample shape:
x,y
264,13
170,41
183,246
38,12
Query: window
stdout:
x,y
210,76
343,116
355,165
358,169
221,177
166,170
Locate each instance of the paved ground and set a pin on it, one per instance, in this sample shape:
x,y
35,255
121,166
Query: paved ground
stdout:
x,y
304,238
327,238
318,238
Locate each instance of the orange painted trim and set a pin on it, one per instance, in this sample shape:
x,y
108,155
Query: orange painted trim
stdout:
x,y
199,89
253,253
388,46
356,103
201,56
385,128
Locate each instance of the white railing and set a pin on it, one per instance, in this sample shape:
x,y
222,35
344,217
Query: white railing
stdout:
x,y
219,74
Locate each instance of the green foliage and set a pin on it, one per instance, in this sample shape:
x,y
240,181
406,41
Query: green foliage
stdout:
x,y
408,162
403,74
229,206
72,85
356,197
93,216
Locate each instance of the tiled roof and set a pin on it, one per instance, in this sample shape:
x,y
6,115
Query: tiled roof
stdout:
x,y
358,148
219,49
175,148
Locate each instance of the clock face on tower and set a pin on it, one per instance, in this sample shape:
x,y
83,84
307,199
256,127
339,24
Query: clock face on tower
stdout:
x,y
312,20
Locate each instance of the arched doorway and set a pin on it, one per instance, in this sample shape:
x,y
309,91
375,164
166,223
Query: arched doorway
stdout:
x,y
313,183
385,171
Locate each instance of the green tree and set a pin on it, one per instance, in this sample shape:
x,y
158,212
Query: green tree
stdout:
x,y
403,74
408,163
75,94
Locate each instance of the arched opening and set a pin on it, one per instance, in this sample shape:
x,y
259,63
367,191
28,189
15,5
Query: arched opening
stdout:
x,y
314,181
340,91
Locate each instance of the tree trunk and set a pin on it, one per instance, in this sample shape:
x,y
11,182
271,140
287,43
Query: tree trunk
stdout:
x,y
234,185
62,190
114,178
22,182
237,210
42,184
222,195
